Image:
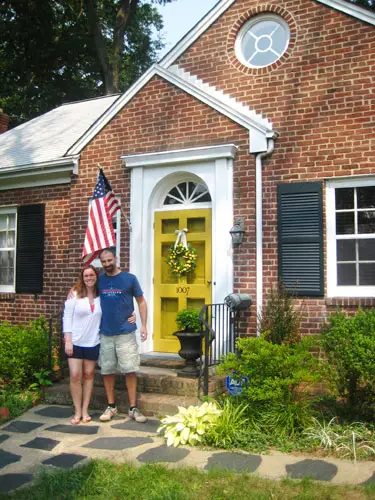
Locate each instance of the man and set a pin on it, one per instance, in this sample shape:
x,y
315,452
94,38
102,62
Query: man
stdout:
x,y
118,346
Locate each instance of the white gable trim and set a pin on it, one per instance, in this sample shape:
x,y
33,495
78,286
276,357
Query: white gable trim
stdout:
x,y
340,5
351,9
208,95
39,174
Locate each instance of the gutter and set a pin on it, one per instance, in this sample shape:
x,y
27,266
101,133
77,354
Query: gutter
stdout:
x,y
259,225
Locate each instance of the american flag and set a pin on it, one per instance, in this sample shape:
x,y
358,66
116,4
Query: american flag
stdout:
x,y
99,232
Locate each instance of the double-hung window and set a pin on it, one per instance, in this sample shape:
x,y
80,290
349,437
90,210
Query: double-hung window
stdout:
x,y
8,231
22,249
351,238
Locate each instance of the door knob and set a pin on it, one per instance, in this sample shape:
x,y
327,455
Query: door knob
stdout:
x,y
209,282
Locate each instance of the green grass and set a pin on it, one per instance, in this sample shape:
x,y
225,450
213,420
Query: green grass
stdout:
x,y
105,480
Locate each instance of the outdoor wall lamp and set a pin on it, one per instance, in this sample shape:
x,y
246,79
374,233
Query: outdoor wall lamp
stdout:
x,y
237,232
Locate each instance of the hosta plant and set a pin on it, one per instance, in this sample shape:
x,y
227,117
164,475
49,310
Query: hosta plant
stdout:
x,y
189,424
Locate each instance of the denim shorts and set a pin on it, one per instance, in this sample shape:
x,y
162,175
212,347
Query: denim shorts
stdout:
x,y
118,354
90,353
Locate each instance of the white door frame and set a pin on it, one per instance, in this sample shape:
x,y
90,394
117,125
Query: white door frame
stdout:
x,y
152,176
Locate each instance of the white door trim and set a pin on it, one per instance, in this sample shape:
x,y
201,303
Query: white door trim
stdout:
x,y
211,165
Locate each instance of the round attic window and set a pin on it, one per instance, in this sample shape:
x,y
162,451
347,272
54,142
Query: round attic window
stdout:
x,y
262,41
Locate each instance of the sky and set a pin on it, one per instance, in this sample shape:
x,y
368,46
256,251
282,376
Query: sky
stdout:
x,y
180,16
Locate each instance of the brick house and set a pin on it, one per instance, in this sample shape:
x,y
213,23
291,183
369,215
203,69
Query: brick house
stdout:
x,y
262,114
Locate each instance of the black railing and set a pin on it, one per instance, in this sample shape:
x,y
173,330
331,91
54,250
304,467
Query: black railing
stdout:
x,y
56,352
220,328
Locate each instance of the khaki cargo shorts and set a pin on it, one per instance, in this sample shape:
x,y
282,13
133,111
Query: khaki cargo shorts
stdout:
x,y
118,354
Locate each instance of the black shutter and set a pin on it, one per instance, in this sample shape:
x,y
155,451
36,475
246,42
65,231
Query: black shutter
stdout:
x,y
300,224
30,249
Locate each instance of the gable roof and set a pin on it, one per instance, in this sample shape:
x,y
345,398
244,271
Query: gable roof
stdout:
x,y
47,138
191,36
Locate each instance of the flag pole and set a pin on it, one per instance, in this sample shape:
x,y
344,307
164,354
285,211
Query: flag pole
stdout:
x,y
121,209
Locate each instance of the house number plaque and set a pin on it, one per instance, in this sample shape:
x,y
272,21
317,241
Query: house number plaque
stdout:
x,y
183,289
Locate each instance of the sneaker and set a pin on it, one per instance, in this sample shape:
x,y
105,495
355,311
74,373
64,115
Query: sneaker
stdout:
x,y
136,415
108,414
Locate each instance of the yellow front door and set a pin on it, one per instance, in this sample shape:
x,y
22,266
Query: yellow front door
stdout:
x,y
192,291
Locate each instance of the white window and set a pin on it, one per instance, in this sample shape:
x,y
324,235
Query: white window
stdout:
x,y
351,238
262,40
8,229
186,193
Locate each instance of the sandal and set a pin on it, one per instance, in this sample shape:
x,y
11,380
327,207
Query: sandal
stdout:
x,y
75,420
86,419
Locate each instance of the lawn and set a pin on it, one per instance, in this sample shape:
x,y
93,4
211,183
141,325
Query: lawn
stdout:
x,y
105,480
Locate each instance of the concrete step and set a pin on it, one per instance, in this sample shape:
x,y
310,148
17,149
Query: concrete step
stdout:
x,y
165,381
150,404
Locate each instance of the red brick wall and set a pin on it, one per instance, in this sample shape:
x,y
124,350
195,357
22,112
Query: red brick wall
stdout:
x,y
319,97
58,276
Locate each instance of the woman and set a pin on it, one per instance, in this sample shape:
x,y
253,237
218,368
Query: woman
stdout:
x,y
81,322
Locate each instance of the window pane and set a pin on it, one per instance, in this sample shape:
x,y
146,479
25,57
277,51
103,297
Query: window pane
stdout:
x,y
345,250
366,197
366,222
3,222
12,221
11,239
183,190
366,250
346,274
3,239
344,198
367,274
345,223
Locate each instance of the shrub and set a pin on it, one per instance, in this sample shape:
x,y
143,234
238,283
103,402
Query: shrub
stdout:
x,y
23,351
276,374
280,322
349,344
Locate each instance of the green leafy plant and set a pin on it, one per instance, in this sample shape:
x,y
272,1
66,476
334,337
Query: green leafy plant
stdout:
x,y
23,351
280,321
189,424
188,320
352,441
224,433
42,380
278,378
349,344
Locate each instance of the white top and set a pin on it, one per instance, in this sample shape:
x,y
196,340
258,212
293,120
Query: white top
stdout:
x,y
81,322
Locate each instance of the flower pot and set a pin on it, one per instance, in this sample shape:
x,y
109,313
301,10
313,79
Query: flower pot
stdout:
x,y
191,350
4,412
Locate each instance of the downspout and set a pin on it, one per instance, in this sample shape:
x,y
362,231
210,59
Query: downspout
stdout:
x,y
259,226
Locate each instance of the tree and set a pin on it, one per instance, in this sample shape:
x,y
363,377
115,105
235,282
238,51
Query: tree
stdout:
x,y
56,51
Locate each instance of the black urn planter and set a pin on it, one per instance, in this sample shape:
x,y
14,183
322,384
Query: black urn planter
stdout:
x,y
191,350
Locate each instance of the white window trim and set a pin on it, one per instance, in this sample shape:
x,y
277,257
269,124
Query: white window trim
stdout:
x,y
96,262
11,288
333,290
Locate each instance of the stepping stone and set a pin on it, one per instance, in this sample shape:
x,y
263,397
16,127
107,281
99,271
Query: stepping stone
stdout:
x,y
64,460
56,412
39,443
130,425
7,458
3,437
238,462
314,469
22,426
163,454
74,429
10,482
117,443
370,480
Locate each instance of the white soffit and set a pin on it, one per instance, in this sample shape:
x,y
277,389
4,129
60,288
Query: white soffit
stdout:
x,y
351,9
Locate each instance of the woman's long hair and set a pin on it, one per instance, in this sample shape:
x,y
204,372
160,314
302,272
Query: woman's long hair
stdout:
x,y
80,287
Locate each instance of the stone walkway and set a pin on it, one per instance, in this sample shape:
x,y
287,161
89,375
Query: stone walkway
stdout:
x,y
43,436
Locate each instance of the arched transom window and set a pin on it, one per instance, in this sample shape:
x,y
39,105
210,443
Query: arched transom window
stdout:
x,y
186,193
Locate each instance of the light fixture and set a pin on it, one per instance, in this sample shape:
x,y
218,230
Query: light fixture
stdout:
x,y
237,232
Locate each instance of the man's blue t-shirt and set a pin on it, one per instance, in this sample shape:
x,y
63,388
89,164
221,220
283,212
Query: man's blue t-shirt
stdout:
x,y
116,300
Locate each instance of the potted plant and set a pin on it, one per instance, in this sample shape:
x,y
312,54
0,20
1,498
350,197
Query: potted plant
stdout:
x,y
190,336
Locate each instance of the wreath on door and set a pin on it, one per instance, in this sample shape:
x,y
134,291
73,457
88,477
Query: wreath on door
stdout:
x,y
182,256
